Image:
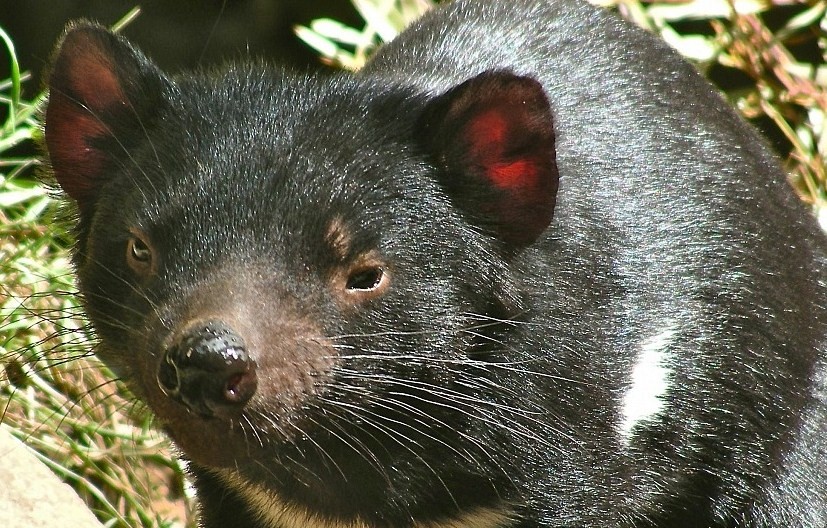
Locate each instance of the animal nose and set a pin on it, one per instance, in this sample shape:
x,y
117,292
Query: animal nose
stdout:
x,y
208,369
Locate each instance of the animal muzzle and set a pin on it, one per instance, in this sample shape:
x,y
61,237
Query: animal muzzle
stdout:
x,y
208,369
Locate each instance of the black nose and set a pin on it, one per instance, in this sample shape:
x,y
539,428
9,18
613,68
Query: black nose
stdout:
x,y
208,369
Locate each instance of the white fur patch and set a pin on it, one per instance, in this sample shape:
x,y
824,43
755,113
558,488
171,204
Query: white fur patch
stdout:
x,y
650,380
821,215
278,513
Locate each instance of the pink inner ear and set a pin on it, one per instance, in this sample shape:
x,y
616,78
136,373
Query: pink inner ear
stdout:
x,y
493,137
84,88
488,131
518,174
488,135
92,78
69,128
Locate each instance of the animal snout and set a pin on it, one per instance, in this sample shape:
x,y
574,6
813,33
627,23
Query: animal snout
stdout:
x,y
208,369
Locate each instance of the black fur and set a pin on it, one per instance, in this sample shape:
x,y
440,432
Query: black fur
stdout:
x,y
381,321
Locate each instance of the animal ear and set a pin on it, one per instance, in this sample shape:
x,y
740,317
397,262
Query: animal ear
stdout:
x,y
493,139
102,95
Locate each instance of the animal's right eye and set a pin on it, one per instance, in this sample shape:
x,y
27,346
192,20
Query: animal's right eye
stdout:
x,y
139,255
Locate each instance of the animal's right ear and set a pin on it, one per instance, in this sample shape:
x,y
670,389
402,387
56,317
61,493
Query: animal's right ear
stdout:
x,y
102,95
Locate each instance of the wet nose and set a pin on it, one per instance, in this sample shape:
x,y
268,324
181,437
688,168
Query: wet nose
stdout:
x,y
208,369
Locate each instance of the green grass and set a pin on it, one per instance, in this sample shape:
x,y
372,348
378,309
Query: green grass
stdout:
x,y
57,398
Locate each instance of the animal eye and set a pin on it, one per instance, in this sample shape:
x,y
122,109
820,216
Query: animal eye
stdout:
x,y
139,255
139,250
365,279
368,279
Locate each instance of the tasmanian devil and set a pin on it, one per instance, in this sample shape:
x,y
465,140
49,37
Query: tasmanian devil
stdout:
x,y
525,269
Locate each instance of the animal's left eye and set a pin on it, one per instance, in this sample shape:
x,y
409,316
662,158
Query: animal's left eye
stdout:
x,y
366,279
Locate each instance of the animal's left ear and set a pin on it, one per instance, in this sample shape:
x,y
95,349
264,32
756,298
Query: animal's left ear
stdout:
x,y
493,139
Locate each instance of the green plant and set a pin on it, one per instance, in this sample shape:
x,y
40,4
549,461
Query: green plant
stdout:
x,y
347,47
